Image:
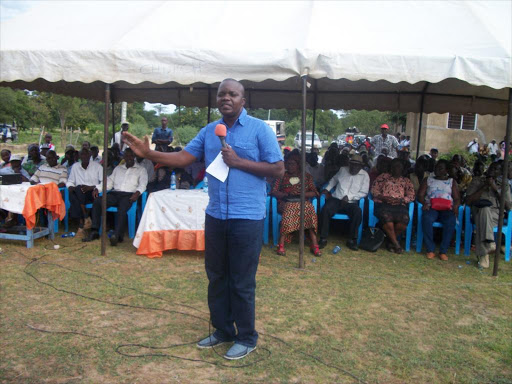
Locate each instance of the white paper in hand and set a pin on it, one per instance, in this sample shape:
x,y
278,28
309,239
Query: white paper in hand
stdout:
x,y
218,168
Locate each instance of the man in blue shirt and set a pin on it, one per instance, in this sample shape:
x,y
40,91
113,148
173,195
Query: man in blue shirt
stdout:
x,y
234,216
162,137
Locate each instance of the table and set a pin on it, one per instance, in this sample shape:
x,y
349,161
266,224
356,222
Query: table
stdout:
x,y
27,199
172,220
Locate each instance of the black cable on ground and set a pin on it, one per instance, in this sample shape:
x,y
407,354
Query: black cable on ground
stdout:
x,y
119,348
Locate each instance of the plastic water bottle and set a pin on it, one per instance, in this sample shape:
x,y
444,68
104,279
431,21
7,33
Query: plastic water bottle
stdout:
x,y
336,249
205,184
173,181
70,234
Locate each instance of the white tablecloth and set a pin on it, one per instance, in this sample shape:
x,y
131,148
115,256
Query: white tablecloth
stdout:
x,y
170,219
12,197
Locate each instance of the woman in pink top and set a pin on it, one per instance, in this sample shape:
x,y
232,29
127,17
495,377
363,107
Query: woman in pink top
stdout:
x,y
391,193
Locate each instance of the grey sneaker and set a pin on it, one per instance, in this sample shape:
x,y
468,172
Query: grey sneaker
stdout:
x,y
238,351
210,341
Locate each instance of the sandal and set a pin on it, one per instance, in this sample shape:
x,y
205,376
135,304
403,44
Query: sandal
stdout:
x,y
280,250
315,250
390,247
399,250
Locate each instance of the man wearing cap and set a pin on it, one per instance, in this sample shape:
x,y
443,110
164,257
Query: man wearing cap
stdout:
x,y
351,185
385,141
15,167
118,136
162,136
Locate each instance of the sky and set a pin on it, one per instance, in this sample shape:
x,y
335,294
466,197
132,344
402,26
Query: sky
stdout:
x,y
11,8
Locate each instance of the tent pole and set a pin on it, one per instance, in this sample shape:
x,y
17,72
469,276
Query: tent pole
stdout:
x,y
302,172
209,103
314,117
504,185
421,118
113,123
105,165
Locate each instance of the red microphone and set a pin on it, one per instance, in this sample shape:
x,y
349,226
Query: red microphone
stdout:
x,y
220,131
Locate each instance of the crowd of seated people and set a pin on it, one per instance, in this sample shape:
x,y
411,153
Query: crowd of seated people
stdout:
x,y
81,171
380,169
393,180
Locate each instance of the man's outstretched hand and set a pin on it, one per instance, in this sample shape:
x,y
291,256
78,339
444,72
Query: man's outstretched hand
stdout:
x,y
139,147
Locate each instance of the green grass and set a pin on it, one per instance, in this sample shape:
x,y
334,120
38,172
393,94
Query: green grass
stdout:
x,y
383,318
26,137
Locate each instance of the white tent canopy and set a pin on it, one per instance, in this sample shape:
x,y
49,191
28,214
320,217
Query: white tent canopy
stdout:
x,y
361,55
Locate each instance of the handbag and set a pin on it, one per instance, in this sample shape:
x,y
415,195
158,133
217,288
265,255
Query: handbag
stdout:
x,y
372,239
482,203
440,204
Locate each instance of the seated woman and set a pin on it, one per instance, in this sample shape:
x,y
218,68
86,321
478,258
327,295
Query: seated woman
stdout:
x,y
440,198
287,192
483,194
419,173
391,193
382,164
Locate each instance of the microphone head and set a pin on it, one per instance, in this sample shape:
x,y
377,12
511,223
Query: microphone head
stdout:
x,y
220,130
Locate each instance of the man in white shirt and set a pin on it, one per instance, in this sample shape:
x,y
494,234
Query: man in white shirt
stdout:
x,y
118,137
82,180
493,149
352,184
473,146
149,166
126,184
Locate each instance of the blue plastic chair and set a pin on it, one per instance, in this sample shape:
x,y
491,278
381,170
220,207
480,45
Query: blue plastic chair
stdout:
x,y
66,218
458,229
341,216
266,223
373,220
131,213
140,207
469,227
276,218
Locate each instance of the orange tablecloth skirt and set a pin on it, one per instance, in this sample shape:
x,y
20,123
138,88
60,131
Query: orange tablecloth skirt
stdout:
x,y
43,196
153,243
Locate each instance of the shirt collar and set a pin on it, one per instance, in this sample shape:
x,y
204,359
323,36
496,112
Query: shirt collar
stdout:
x,y
242,118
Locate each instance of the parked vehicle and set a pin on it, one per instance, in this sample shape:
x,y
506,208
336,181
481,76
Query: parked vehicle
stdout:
x,y
278,128
309,135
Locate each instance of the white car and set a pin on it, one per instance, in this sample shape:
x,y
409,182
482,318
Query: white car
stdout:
x,y
298,142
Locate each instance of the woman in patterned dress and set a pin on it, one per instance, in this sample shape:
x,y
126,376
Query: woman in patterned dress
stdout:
x,y
391,193
287,192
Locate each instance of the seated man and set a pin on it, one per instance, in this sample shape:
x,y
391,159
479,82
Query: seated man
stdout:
x,y
34,160
82,180
52,172
95,154
14,167
126,184
352,184
315,169
5,154
483,195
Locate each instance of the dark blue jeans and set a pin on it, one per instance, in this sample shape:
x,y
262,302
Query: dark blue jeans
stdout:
x,y
231,259
447,218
